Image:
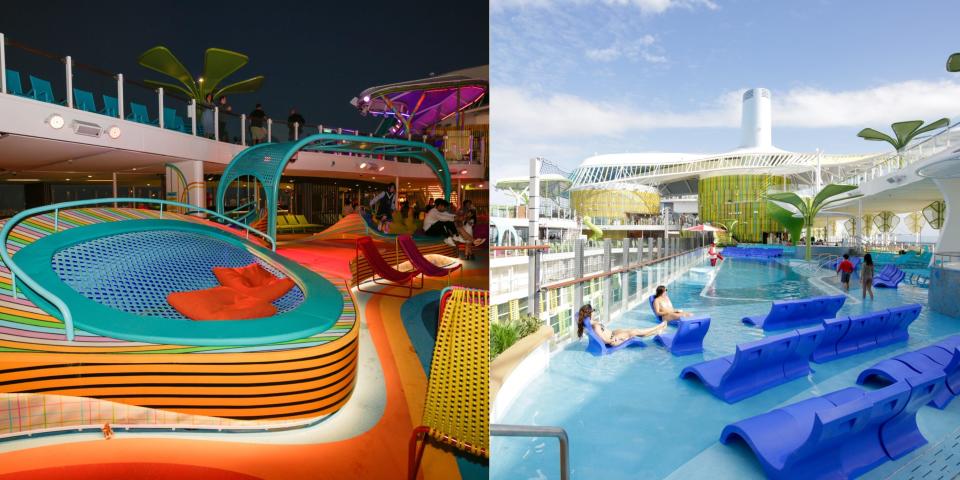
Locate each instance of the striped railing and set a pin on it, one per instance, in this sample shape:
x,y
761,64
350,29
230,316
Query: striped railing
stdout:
x,y
17,272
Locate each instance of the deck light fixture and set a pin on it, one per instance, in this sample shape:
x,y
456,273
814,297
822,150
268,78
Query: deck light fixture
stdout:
x,y
56,121
114,132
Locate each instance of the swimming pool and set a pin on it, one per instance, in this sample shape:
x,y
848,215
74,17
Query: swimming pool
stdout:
x,y
628,415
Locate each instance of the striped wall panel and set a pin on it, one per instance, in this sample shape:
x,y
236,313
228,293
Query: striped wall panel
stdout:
x,y
739,197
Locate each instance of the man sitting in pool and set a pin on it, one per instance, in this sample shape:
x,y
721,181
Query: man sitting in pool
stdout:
x,y
612,337
663,307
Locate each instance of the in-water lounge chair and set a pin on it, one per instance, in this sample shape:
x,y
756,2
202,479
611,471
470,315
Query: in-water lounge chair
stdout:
x,y
598,347
688,339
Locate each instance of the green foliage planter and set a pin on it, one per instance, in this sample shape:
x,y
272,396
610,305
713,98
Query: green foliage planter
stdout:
x,y
504,334
904,131
218,64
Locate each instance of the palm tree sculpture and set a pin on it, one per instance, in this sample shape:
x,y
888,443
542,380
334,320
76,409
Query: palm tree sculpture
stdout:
x,y
218,64
905,132
807,208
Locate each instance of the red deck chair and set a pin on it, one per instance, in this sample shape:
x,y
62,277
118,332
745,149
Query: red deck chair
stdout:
x,y
385,271
424,265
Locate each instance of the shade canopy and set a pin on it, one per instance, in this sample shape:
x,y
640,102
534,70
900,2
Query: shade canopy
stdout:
x,y
414,106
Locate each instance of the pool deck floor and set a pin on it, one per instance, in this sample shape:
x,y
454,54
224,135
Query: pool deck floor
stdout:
x,y
359,450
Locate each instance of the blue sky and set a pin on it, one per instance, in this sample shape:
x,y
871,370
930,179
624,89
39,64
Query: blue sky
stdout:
x,y
570,78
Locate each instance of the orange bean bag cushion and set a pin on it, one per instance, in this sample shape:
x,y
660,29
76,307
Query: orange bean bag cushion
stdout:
x,y
254,280
220,303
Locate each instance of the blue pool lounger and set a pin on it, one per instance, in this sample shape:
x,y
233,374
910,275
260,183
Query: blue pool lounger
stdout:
x,y
843,434
794,313
596,345
943,357
758,365
688,339
889,277
845,336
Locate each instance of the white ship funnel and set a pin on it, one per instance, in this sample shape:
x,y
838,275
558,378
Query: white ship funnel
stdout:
x,y
755,125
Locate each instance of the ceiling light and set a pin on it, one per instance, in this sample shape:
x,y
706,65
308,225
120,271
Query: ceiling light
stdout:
x,y
68,179
380,169
114,132
134,169
89,176
23,179
56,121
363,165
366,98
463,172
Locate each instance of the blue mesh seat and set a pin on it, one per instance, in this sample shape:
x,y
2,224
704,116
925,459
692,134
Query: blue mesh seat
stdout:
x,y
83,100
14,86
111,107
40,89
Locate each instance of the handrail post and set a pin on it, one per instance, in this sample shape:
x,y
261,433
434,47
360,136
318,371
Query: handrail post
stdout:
x,y
160,106
296,130
243,129
269,130
69,73
3,64
498,430
216,123
120,96
56,220
193,118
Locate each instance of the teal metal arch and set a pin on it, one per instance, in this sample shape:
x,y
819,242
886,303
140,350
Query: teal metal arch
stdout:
x,y
266,162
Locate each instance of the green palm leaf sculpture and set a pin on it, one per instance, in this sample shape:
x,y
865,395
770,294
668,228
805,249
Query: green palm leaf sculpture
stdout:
x,y
218,64
904,131
807,208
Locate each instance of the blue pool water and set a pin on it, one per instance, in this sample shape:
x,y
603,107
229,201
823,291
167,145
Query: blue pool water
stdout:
x,y
628,415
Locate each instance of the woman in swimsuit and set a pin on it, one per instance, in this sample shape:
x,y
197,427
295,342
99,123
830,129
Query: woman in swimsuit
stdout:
x,y
613,337
866,276
664,307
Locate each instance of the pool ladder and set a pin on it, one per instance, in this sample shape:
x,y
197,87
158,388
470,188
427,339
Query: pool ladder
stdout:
x,y
499,430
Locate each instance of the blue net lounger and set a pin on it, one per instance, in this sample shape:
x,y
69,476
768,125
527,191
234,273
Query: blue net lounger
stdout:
x,y
943,357
846,336
758,365
843,434
596,345
688,339
889,279
794,313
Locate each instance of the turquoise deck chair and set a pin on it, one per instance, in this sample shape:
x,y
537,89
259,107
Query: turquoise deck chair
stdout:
x,y
40,89
13,83
139,114
111,107
83,100
172,121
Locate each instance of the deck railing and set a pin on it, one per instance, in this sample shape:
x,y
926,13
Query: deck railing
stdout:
x,y
17,272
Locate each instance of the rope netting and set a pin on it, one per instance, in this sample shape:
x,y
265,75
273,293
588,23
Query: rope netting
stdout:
x,y
134,272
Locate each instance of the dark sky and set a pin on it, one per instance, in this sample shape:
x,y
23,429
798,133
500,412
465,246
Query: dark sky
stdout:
x,y
316,56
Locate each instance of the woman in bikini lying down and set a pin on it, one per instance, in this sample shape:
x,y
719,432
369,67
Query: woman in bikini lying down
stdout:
x,y
613,337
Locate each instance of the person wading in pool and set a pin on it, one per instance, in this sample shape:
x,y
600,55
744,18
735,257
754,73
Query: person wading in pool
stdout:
x,y
845,269
664,307
866,277
714,254
612,337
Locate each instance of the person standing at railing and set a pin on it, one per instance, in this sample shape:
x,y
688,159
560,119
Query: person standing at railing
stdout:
x,y
294,123
258,125
224,109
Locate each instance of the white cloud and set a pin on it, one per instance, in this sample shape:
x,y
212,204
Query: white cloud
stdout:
x,y
645,6
633,49
603,54
525,115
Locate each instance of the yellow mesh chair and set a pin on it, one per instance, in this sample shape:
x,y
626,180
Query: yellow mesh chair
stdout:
x,y
457,408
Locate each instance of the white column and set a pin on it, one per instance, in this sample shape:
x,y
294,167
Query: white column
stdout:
x,y
216,123
120,96
296,130
3,64
69,73
949,240
160,105
185,182
858,231
533,202
269,130
243,129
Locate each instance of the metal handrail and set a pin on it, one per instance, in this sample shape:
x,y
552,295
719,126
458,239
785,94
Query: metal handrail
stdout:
x,y
15,270
500,430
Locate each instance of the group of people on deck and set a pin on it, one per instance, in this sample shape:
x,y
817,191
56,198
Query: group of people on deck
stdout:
x,y
662,306
441,219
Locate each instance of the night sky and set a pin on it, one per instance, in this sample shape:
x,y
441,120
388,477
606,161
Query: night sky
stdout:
x,y
316,56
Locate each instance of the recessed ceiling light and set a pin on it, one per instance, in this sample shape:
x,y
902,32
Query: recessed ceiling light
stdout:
x,y
134,169
68,179
114,132
89,176
363,165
